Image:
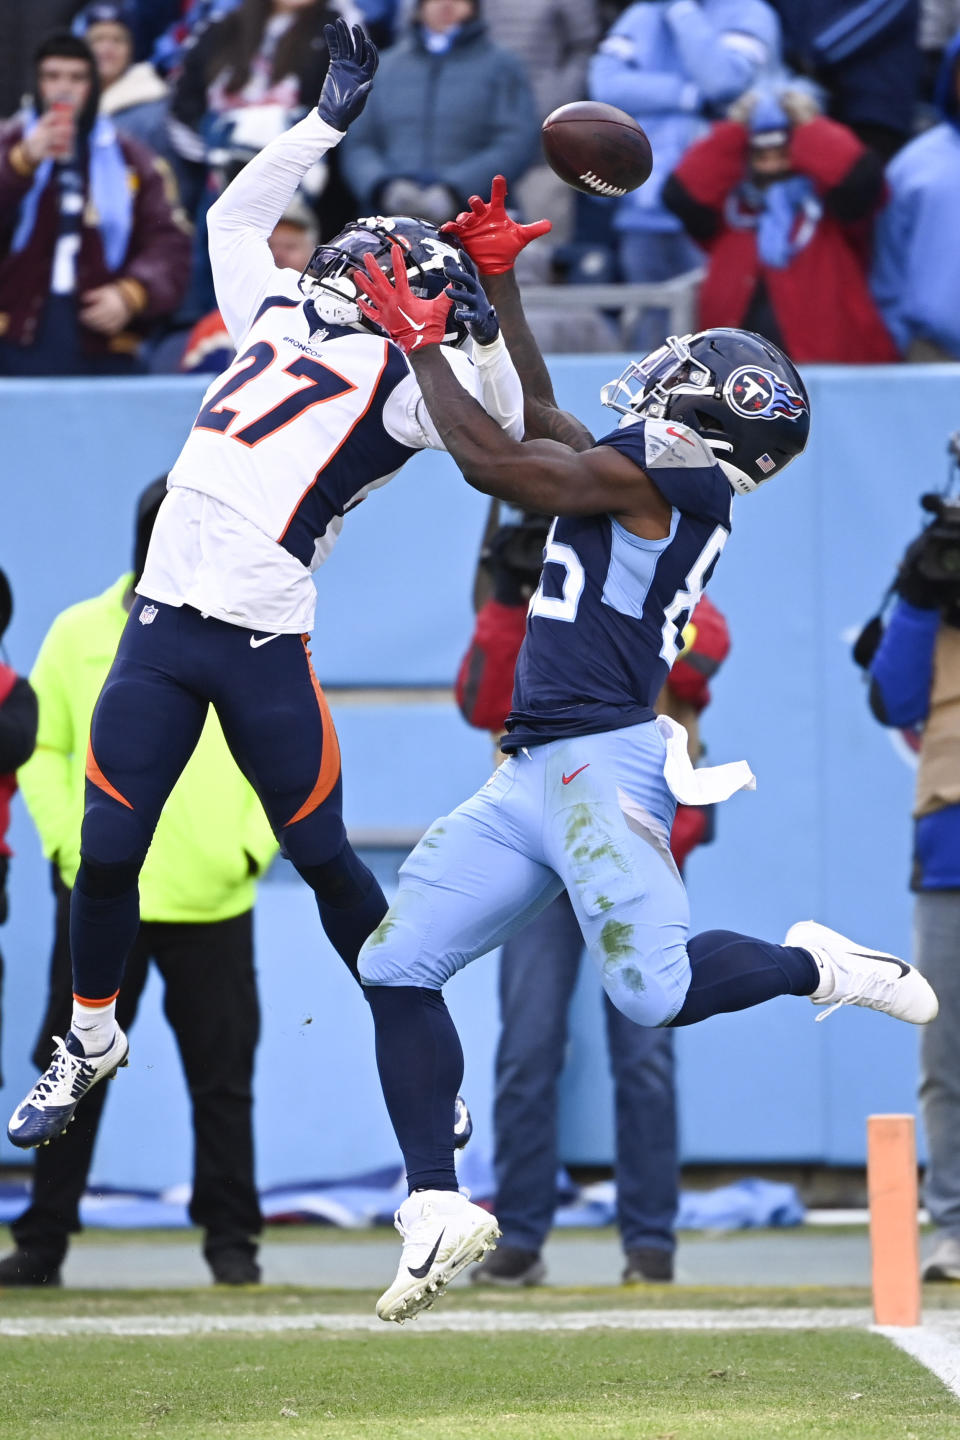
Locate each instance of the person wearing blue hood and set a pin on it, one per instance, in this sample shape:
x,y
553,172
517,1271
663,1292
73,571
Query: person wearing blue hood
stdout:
x,y
916,274
672,64
782,200
450,110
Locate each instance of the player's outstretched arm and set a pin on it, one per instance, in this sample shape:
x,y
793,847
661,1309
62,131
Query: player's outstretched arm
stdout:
x,y
540,475
241,221
493,240
501,391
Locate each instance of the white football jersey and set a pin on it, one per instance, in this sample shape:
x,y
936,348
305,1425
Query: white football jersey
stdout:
x,y
308,419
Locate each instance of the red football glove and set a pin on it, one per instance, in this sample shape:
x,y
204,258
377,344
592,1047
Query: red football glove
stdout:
x,y
410,322
484,685
491,239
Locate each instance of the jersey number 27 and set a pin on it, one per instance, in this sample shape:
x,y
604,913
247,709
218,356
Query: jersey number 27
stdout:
x,y
323,384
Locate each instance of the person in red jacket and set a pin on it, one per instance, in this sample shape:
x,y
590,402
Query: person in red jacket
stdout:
x,y
93,246
539,965
781,199
18,735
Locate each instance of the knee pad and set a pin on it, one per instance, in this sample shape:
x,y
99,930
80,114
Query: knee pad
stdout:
x,y
106,882
341,882
641,995
651,1014
111,836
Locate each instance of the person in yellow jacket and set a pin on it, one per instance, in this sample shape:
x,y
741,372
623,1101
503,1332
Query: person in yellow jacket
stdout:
x,y
197,892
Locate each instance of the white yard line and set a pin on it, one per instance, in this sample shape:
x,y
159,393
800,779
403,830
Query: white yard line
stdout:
x,y
936,1345
465,1321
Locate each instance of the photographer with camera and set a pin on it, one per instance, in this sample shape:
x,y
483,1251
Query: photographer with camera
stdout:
x,y
915,683
539,965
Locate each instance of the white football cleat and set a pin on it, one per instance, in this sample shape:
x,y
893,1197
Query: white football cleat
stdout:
x,y
49,1107
853,974
442,1234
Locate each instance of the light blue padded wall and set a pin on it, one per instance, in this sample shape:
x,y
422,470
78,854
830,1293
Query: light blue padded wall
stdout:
x,y
826,834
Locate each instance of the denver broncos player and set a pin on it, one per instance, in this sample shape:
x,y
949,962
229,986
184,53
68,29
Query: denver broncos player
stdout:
x,y
586,799
318,409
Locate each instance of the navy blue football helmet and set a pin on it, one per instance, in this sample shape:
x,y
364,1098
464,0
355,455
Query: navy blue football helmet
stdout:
x,y
738,391
328,278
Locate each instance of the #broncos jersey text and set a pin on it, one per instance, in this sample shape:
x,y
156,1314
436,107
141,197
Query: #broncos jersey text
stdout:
x,y
292,434
604,625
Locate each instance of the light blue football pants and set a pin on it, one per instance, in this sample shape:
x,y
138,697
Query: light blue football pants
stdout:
x,y
590,815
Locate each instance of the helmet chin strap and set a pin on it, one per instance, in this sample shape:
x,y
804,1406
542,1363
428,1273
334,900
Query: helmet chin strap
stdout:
x,y
738,478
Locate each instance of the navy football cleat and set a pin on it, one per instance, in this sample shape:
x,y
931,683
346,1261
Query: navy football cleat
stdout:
x,y
49,1107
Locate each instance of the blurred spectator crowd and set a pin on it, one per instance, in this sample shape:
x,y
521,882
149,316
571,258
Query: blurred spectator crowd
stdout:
x,y
806,179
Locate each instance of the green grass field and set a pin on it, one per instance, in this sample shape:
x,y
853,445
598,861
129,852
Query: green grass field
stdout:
x,y
261,1381
652,1385
398,1383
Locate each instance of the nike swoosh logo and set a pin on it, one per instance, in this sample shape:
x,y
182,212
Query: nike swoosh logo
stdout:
x,y
419,1272
255,643
568,778
685,438
421,326
889,959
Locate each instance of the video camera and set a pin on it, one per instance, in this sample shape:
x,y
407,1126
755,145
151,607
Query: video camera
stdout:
x,y
929,573
938,560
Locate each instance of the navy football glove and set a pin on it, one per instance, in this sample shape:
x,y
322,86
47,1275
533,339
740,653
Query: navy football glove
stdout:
x,y
346,85
471,304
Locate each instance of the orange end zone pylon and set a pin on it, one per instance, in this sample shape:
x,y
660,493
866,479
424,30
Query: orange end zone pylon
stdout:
x,y
894,1232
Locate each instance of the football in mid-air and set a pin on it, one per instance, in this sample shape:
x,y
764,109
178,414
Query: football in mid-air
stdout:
x,y
597,148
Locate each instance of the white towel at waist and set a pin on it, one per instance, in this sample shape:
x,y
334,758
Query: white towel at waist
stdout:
x,y
706,786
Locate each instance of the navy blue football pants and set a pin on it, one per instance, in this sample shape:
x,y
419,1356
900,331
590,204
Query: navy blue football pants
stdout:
x,y
538,973
170,666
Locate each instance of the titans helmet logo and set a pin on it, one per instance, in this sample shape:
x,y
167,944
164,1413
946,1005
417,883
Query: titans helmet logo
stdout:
x,y
760,395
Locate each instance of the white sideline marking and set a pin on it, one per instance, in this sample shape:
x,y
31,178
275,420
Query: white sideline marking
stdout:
x,y
937,1348
754,1318
935,1345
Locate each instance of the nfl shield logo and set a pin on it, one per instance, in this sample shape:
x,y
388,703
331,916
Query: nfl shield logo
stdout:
x,y
148,614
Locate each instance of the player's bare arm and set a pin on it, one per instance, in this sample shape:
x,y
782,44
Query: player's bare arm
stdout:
x,y
493,240
543,416
542,475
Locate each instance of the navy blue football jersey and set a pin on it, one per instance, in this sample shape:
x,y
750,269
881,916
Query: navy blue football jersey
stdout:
x,y
604,626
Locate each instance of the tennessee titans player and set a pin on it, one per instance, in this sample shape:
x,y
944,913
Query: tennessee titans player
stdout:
x,y
318,410
586,799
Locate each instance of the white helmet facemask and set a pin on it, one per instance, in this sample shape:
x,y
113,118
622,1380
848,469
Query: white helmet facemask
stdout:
x,y
646,387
